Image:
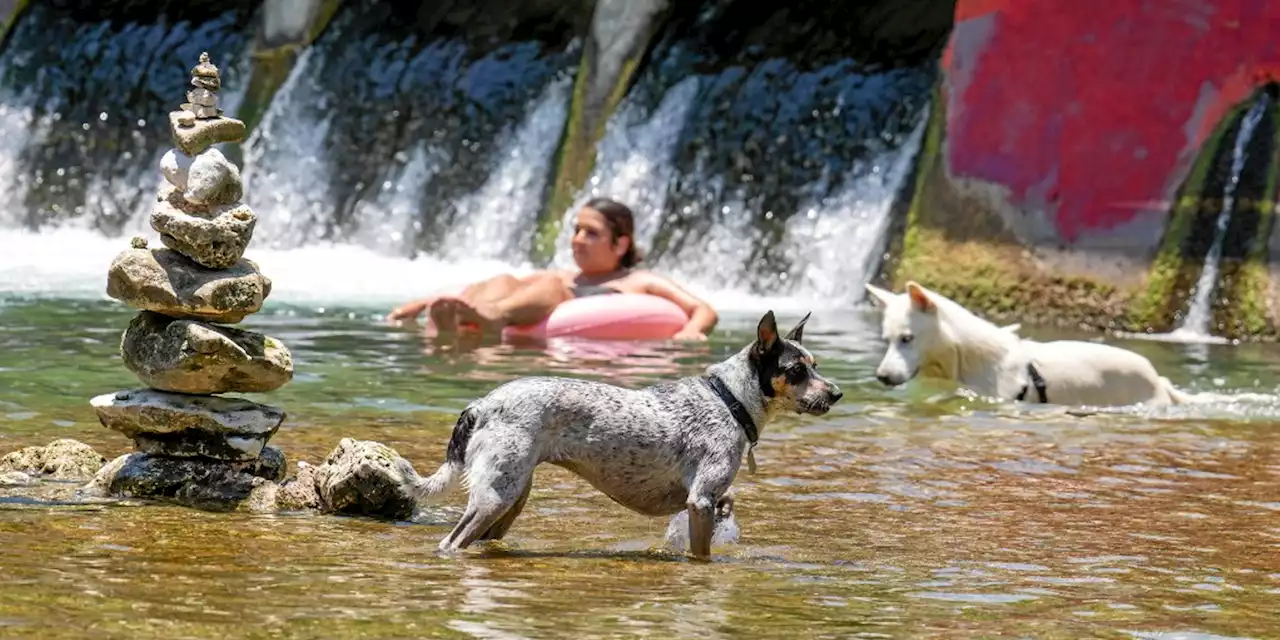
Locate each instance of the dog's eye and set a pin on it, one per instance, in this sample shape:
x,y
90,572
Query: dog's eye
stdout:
x,y
906,339
796,373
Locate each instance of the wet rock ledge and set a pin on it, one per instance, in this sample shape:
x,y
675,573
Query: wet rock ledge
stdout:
x,y
359,477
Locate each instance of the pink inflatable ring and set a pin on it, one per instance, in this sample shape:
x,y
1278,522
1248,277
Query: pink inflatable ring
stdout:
x,y
621,316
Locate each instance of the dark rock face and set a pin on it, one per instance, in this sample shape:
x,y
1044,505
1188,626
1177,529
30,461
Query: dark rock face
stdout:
x,y
182,425
213,485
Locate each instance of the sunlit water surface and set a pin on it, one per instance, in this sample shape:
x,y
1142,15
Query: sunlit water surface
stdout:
x,y
914,512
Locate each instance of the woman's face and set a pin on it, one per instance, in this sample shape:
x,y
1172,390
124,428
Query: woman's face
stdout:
x,y
594,249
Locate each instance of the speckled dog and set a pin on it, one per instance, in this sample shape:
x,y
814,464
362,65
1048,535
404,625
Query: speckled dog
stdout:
x,y
657,450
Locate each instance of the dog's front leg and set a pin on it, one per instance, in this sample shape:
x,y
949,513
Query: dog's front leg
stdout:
x,y
702,524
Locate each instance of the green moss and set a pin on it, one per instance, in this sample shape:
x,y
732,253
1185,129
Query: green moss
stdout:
x,y
7,27
576,155
1248,314
271,67
926,162
1154,309
568,157
955,248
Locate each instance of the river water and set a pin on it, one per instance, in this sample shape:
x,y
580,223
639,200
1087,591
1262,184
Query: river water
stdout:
x,y
913,512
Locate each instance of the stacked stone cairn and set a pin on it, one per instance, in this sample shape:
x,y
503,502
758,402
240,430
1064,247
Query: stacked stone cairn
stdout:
x,y
180,345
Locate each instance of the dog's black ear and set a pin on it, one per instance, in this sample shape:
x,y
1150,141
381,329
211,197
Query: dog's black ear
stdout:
x,y
797,332
767,333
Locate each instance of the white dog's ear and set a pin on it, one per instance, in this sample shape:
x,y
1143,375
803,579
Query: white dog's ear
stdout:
x,y
878,295
920,298
1012,328
797,332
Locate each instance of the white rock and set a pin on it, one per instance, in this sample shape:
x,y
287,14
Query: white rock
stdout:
x,y
175,166
212,179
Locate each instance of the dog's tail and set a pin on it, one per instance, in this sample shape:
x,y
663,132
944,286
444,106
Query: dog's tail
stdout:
x,y
448,476
1177,396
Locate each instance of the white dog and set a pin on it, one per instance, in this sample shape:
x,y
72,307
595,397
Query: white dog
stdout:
x,y
932,335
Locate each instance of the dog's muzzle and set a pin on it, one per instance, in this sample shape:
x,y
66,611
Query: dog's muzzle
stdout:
x,y
820,406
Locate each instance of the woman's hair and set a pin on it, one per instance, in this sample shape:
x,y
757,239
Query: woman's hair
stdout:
x,y
622,224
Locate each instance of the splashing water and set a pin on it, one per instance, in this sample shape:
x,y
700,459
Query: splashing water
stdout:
x,y
285,173
498,220
1195,326
1199,314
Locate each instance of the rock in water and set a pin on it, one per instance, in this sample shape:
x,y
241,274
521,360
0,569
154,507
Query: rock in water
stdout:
x,y
189,426
213,236
164,281
64,459
295,494
361,477
204,484
186,356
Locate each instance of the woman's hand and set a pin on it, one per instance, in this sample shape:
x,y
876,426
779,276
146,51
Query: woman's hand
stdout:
x,y
409,311
691,335
702,318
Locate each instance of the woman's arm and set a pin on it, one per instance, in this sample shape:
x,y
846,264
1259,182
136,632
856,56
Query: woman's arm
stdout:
x,y
702,318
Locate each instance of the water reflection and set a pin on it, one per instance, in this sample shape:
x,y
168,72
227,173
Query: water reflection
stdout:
x,y
626,363
916,511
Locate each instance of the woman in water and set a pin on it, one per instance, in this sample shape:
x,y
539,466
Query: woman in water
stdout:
x,y
604,250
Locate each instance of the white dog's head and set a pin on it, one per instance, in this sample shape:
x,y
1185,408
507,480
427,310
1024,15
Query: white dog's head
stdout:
x,y
913,327
910,327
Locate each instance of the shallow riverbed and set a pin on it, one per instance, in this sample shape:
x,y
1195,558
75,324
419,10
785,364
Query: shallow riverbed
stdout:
x,y
909,512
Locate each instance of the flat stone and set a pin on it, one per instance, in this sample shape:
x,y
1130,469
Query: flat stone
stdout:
x,y
213,485
362,477
212,84
164,281
204,132
212,236
189,426
202,112
63,459
188,356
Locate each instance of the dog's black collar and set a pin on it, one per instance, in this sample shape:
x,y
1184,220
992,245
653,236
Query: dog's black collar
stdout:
x,y
1039,383
736,408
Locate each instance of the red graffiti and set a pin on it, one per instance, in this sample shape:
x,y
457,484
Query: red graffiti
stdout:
x,y
1082,109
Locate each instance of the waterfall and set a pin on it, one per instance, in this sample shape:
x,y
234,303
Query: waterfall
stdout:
x,y
788,194
285,173
839,242
408,148
1200,313
395,161
498,220
634,163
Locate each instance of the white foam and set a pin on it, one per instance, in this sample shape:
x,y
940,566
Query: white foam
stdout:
x,y
73,263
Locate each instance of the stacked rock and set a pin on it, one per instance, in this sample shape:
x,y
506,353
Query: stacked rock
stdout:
x,y
178,345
